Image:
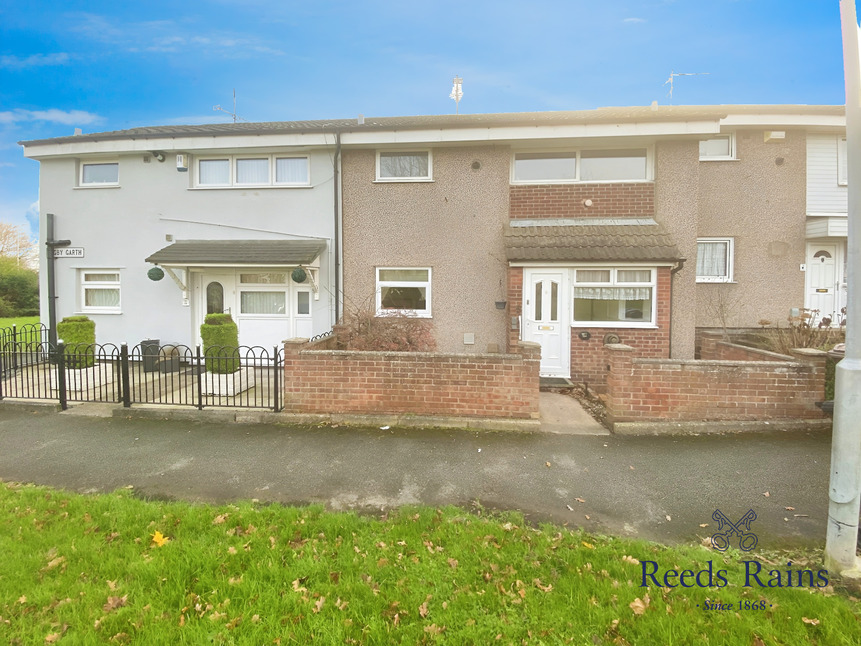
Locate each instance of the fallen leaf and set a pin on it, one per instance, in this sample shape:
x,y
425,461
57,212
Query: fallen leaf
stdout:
x,y
586,517
115,602
812,622
319,604
181,621
789,508
704,524
423,610
433,629
22,599
630,559
159,539
588,546
220,519
112,585
639,605
668,517
546,464
757,641
255,619
55,562
231,550
52,638
341,605
579,500
766,494
570,508
452,563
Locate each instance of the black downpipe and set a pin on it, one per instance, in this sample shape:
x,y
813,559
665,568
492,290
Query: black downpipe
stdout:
x,y
50,245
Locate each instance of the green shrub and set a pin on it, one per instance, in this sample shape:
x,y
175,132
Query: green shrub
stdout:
x,y
220,343
79,335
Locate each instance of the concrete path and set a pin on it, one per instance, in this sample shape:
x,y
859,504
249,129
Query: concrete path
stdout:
x,y
660,488
564,415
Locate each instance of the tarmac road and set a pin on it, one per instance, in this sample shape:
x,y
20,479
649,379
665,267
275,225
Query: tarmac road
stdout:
x,y
659,488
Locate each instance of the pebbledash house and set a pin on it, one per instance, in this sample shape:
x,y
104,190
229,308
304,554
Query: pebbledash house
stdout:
x,y
639,225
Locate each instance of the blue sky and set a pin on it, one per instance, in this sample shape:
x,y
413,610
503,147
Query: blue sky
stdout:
x,y
112,65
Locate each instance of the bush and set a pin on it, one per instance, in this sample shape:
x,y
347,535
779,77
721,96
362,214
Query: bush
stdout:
x,y
19,289
364,330
220,344
79,335
807,331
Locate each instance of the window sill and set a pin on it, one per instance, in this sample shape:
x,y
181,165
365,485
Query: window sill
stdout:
x,y
614,325
89,187
553,182
405,180
406,313
716,282
247,187
93,312
718,159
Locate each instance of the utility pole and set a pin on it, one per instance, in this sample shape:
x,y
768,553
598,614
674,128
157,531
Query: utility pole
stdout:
x,y
844,490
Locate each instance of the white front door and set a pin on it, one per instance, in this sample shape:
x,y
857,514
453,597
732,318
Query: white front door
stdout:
x,y
546,320
822,280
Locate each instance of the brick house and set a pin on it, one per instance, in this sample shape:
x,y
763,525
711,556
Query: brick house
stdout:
x,y
637,225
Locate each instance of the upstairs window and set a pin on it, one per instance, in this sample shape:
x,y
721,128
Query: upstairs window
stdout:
x,y
714,260
612,165
404,166
721,147
547,167
263,170
100,174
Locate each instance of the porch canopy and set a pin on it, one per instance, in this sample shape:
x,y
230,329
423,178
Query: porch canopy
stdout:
x,y
590,240
232,253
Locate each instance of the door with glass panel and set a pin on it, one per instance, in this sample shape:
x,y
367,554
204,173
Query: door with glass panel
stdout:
x,y
545,320
216,294
822,281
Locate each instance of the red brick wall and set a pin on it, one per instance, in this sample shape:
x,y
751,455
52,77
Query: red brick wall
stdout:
x,y
479,385
642,390
715,348
589,359
515,304
566,200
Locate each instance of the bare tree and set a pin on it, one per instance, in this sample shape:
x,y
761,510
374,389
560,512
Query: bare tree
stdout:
x,y
16,244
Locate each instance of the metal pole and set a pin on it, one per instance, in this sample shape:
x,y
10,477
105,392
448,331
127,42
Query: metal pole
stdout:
x,y
124,375
52,289
845,487
61,374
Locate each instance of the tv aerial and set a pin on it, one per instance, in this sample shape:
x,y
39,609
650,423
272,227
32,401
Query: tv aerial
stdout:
x,y
673,75
233,114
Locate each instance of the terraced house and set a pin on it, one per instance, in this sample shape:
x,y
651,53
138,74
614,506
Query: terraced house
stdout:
x,y
572,229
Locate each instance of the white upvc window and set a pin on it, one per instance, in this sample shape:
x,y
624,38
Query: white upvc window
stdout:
x,y
404,166
842,162
405,290
228,171
100,291
102,173
715,260
718,148
613,297
585,165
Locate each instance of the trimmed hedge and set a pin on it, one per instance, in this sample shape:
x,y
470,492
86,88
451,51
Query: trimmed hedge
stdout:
x,y
220,344
79,335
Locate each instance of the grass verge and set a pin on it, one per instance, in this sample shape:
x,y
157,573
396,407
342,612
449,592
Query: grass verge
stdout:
x,y
115,569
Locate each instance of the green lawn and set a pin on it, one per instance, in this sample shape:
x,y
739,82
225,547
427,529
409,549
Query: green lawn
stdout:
x,y
19,321
116,569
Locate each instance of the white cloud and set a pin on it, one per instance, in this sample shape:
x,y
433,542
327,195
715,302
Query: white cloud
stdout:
x,y
35,60
634,20
53,115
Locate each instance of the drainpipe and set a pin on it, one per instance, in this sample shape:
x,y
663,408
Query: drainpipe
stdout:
x,y
680,263
337,192
844,490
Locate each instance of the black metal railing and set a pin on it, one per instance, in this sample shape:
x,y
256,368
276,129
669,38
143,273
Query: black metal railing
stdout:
x,y
177,375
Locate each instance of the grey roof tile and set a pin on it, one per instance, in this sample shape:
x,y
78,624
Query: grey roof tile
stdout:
x,y
239,252
584,242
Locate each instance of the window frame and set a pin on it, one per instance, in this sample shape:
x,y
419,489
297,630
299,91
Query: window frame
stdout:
x,y
652,284
730,260
233,163
100,162
426,178
577,153
378,292
842,162
732,156
101,285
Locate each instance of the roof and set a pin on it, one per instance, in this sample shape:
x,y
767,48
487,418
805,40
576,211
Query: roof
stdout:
x,y
631,114
239,252
590,240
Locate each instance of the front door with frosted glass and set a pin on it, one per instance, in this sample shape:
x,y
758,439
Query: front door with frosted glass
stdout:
x,y
546,320
823,280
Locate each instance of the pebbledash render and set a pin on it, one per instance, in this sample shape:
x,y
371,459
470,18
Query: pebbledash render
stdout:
x,y
636,225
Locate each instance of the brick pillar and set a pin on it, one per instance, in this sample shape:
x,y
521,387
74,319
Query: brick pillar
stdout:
x,y
290,393
619,377
515,305
816,359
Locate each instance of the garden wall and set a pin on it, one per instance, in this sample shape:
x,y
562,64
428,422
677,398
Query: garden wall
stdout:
x,y
421,383
669,390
